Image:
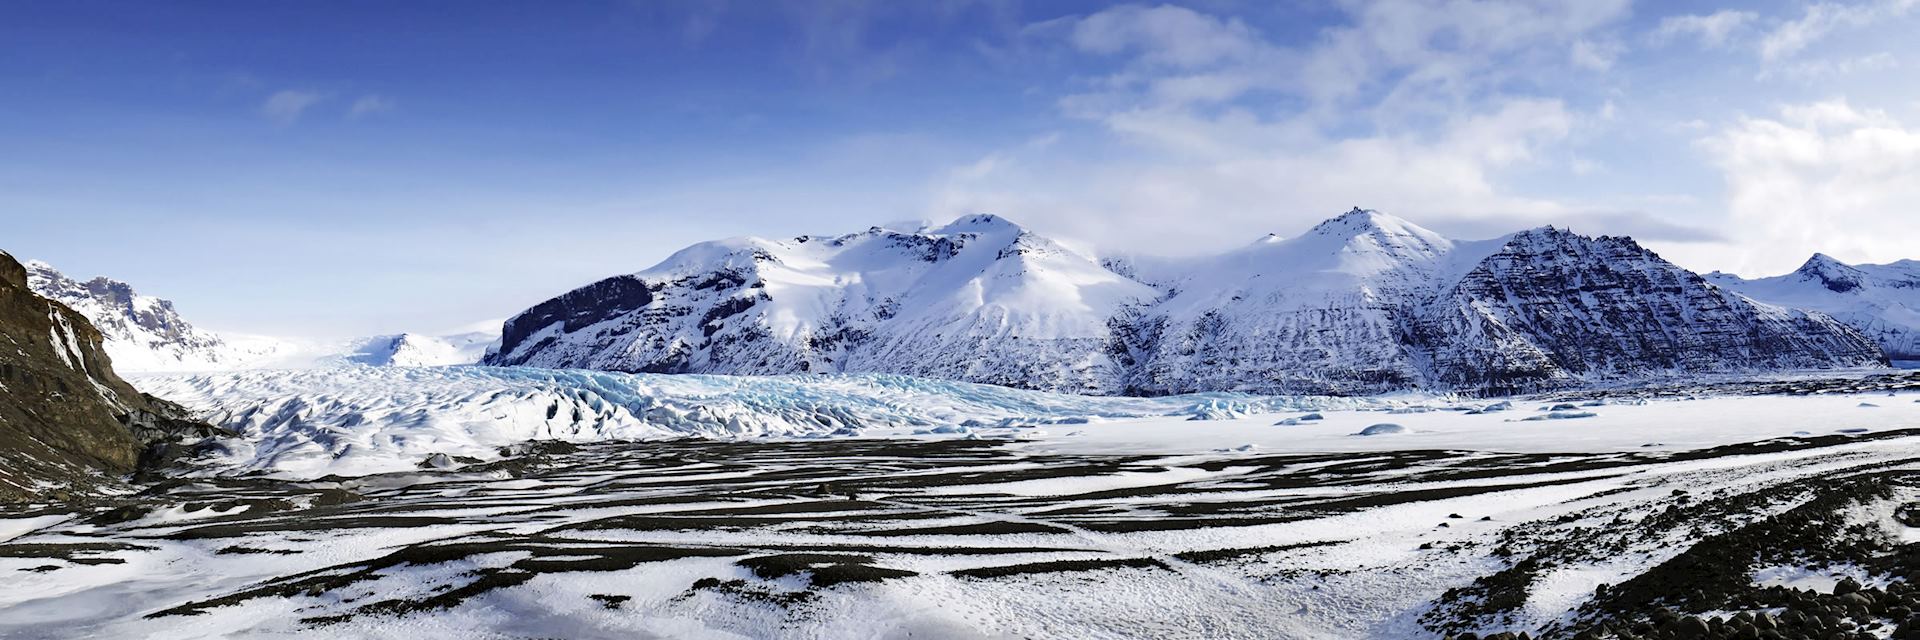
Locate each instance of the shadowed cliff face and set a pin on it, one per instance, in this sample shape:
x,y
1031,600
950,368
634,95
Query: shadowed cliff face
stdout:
x,y
64,415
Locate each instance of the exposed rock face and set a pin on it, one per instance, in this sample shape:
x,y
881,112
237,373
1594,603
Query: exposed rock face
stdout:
x,y
1363,303
67,422
1551,308
1882,301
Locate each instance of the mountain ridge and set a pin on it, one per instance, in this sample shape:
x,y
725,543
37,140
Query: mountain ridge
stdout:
x,y
1882,301
147,334
1364,302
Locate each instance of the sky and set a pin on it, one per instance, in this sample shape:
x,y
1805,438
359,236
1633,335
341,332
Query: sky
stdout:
x,y
331,169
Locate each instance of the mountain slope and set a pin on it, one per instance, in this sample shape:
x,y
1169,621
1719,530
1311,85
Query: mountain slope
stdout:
x,y
1319,313
413,350
1363,303
1882,301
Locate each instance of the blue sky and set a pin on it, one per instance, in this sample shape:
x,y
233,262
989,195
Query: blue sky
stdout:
x,y
346,168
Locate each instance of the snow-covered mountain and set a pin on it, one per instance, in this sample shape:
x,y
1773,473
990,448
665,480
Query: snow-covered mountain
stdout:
x,y
146,334
1363,303
1552,308
1882,301
419,350
1320,313
980,300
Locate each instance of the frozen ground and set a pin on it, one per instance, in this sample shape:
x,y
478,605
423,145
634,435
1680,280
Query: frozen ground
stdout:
x,y
1714,500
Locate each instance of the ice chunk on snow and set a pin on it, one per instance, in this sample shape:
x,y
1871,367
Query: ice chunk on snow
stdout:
x,y
1561,415
1382,429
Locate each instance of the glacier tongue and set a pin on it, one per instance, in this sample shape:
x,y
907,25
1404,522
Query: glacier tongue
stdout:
x,y
362,420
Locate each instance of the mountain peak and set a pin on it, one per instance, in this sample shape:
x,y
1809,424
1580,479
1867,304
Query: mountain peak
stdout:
x,y
1833,274
1360,221
11,271
979,223
1822,262
1376,240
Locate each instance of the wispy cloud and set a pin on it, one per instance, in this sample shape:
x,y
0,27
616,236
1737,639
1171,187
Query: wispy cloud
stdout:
x,y
370,104
1712,30
1410,106
286,106
1816,70
1596,55
1823,19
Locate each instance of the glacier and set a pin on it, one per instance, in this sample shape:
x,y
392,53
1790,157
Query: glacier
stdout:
x,y
362,420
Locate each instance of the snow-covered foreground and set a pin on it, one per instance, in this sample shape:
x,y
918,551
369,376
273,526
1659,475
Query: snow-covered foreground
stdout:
x,y
359,420
1542,514
1130,527
944,538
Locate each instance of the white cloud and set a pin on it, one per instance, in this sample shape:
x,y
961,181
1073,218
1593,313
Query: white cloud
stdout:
x,y
1826,177
1712,30
1244,177
1815,71
1418,107
1822,19
1166,35
286,106
1597,56
1446,47
370,104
